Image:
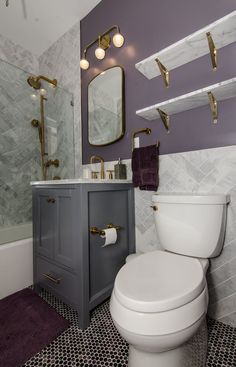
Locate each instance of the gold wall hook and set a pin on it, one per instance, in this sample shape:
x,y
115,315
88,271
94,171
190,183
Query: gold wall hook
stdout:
x,y
164,73
165,119
213,50
214,107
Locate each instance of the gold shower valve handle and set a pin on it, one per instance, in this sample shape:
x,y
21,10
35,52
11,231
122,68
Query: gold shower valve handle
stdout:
x,y
154,207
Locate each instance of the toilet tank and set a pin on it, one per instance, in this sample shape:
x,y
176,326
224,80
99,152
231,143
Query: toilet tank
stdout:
x,y
192,224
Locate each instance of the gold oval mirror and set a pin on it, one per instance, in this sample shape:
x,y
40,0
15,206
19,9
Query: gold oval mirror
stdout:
x,y
106,110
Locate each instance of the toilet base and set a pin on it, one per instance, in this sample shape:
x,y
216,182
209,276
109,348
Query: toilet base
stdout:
x,y
191,354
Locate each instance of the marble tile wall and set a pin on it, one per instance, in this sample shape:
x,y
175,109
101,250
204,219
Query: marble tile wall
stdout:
x,y
19,144
18,56
19,152
61,61
203,171
59,120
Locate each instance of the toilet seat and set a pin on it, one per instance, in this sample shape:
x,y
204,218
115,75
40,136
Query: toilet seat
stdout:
x,y
159,281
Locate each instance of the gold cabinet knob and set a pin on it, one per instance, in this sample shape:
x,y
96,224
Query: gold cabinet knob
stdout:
x,y
154,207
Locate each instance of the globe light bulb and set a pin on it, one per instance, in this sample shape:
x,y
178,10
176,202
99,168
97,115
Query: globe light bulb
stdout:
x,y
42,92
100,53
118,40
84,64
33,97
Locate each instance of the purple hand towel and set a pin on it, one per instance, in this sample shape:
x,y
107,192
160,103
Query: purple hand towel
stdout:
x,y
145,166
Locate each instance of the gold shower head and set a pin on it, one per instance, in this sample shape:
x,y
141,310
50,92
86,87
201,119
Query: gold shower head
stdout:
x,y
34,81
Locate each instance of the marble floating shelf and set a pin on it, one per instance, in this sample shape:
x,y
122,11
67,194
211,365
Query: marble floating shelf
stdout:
x,y
223,32
221,91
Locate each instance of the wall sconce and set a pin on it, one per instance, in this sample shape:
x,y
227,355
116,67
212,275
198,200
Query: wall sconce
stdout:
x,y
103,41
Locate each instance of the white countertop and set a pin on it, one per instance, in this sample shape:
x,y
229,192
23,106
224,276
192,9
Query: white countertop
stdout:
x,y
73,181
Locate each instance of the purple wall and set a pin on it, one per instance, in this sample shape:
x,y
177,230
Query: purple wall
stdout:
x,y
149,26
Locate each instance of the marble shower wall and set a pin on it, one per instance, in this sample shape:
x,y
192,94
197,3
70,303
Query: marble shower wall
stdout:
x,y
19,153
19,144
203,171
59,119
61,61
18,56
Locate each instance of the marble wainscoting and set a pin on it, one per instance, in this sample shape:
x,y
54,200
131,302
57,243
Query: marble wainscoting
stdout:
x,y
203,171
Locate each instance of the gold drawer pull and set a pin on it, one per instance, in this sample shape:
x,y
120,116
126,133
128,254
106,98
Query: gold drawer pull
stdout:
x,y
154,207
52,279
51,200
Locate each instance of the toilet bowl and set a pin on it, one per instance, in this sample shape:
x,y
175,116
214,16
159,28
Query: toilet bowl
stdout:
x,y
159,301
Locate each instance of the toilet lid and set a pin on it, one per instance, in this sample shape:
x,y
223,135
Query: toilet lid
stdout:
x,y
159,281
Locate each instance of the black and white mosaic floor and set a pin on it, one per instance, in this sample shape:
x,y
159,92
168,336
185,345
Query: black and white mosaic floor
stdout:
x,y
100,345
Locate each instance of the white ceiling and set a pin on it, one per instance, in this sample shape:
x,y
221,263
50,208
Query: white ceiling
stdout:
x,y
37,24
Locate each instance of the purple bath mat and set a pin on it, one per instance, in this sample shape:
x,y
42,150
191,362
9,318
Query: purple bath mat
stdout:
x,y
27,325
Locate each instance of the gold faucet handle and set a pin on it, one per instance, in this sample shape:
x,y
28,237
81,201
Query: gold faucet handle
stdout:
x,y
110,173
94,174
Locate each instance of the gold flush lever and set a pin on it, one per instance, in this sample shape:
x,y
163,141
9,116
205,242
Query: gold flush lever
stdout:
x,y
154,207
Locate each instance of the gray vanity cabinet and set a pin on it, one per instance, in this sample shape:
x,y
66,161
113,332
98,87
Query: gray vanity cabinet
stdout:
x,y
55,222
69,261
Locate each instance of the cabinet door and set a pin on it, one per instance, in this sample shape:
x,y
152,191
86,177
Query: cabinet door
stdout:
x,y
107,207
44,222
66,224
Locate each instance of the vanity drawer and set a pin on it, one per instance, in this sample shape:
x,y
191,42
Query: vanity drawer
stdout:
x,y
57,280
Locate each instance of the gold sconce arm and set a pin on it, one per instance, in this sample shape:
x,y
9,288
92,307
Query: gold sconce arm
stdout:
x,y
103,41
165,119
164,73
214,107
213,50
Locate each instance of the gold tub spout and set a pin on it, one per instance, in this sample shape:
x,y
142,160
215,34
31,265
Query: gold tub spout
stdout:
x,y
98,158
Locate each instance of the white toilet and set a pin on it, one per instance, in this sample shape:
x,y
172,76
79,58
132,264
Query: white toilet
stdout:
x,y
159,301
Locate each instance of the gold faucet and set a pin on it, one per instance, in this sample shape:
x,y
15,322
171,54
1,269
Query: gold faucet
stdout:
x,y
98,158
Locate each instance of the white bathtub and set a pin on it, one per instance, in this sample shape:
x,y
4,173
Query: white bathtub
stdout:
x,y
16,266
15,233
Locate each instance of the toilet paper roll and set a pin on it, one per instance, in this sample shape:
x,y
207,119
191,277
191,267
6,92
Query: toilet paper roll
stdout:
x,y
136,142
110,236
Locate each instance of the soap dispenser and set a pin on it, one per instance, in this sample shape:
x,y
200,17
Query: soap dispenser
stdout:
x,y
120,170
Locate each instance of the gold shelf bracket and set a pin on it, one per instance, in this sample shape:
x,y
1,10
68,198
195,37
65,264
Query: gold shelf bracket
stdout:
x,y
165,119
164,73
214,107
213,50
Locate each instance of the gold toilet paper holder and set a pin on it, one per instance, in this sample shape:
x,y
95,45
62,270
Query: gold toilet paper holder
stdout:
x,y
100,232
